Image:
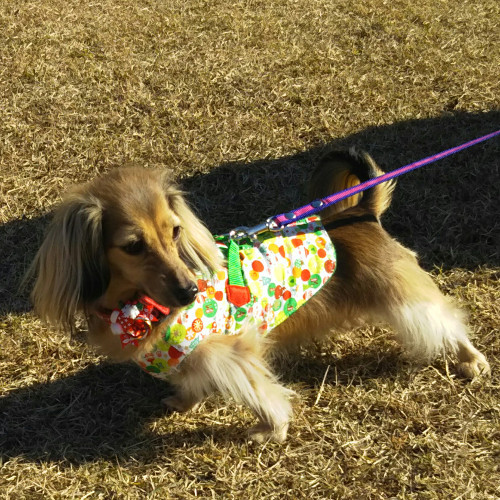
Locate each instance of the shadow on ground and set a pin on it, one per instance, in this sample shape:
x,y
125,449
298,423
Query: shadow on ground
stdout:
x,y
101,412
104,411
448,212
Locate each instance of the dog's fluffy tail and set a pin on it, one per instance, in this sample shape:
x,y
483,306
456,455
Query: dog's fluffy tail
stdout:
x,y
339,170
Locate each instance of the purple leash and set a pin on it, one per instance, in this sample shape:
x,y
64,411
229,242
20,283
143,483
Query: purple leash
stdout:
x,y
278,221
318,205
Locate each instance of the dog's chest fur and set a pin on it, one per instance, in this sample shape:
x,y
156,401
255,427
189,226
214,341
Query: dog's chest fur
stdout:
x,y
280,271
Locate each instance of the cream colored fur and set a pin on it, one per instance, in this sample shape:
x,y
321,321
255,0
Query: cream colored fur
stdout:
x,y
131,233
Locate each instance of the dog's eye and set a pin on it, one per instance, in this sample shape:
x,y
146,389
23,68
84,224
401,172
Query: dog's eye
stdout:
x,y
134,247
176,233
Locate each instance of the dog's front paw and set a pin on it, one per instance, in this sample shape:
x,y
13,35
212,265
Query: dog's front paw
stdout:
x,y
264,432
178,404
477,366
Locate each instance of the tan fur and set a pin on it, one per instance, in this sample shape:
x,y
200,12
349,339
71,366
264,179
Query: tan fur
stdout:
x,y
339,171
86,264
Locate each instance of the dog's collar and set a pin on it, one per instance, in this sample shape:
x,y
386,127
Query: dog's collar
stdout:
x,y
134,320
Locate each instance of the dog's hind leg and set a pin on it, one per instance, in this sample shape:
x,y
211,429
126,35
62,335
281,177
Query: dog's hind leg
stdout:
x,y
471,361
234,366
427,323
376,276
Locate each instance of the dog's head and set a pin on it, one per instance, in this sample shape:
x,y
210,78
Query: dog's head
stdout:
x,y
127,233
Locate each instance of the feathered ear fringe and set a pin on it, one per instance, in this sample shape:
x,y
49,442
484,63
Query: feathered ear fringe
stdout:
x,y
70,268
197,245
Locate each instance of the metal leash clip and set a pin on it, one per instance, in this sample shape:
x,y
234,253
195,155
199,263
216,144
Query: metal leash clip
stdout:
x,y
241,232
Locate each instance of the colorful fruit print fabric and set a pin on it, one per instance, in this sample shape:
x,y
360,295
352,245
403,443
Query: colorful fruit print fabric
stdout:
x,y
282,270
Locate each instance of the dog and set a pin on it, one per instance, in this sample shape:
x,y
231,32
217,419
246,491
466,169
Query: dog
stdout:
x,y
130,233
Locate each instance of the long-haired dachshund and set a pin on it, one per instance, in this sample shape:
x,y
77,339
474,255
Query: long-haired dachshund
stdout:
x,y
130,234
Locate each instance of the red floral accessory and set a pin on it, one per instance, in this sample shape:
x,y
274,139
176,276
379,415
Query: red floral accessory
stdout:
x,y
134,320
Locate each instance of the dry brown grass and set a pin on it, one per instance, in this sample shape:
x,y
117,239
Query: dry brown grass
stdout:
x,y
238,99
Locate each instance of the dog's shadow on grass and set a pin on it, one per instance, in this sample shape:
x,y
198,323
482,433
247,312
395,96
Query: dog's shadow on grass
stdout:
x,y
19,241
100,412
448,212
316,364
106,411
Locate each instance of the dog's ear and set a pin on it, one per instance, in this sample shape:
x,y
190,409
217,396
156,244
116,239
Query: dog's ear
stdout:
x,y
196,244
70,268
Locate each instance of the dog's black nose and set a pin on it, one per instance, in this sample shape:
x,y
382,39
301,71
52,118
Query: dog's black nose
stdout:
x,y
187,294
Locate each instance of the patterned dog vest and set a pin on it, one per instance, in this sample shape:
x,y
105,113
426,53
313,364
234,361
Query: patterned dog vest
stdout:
x,y
267,279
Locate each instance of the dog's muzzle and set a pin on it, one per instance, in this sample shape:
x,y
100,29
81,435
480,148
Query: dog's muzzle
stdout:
x,y
186,295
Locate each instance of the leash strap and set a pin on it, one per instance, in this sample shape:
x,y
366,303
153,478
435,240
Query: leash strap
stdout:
x,y
237,292
235,274
281,220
